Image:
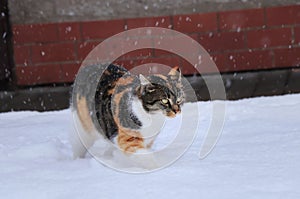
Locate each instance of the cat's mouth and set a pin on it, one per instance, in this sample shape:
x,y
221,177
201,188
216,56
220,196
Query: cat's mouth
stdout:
x,y
173,113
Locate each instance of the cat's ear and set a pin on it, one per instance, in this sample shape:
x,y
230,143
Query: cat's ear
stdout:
x,y
175,73
144,81
145,85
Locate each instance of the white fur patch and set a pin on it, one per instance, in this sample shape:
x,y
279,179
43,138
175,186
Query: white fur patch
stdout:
x,y
151,123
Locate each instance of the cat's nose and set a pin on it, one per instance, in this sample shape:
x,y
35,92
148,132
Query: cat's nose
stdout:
x,y
176,108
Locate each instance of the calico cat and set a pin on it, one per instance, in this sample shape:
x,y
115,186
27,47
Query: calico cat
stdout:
x,y
129,110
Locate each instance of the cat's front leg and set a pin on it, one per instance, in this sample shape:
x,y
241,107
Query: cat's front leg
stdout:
x,y
130,141
134,147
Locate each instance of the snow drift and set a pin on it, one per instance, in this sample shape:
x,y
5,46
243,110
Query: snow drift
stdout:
x,y
257,156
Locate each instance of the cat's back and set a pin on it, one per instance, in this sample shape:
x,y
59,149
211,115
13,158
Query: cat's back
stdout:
x,y
90,94
93,90
112,80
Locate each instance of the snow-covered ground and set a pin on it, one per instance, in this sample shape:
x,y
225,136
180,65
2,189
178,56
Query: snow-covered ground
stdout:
x,y
257,156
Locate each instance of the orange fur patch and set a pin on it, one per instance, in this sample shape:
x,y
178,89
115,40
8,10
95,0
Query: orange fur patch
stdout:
x,y
111,91
173,71
125,81
84,114
130,141
171,114
117,98
161,76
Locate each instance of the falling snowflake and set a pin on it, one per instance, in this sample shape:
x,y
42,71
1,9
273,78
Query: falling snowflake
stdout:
x,y
188,19
68,29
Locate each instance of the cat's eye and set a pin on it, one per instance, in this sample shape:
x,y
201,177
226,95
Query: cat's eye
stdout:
x,y
164,101
150,90
179,101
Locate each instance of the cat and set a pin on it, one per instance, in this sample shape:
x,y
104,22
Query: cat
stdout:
x,y
129,110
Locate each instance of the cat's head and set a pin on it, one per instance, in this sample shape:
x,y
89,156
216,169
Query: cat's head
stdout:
x,y
162,93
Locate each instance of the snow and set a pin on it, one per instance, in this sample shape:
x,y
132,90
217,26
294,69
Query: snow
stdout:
x,y
257,156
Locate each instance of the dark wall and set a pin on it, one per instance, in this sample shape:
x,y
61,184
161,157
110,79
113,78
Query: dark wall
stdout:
x,y
6,63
